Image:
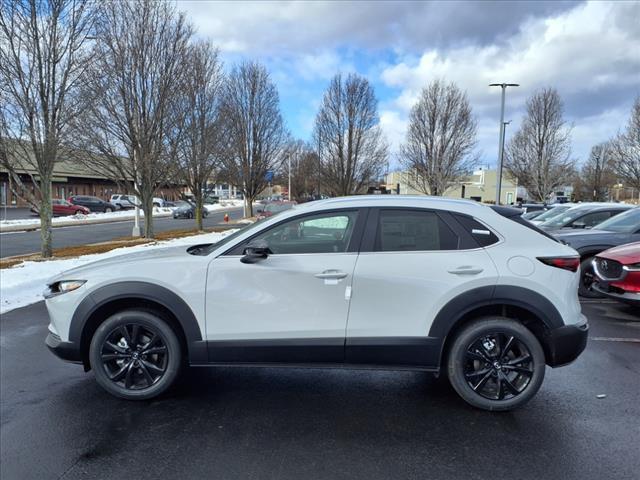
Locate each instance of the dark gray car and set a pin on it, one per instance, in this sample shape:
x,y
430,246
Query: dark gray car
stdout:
x,y
621,229
584,216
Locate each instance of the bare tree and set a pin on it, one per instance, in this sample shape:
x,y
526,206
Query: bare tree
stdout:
x,y
132,93
597,174
199,135
254,130
626,149
440,139
353,150
538,155
303,160
42,56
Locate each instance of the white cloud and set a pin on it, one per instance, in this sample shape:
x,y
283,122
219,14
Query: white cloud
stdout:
x,y
582,53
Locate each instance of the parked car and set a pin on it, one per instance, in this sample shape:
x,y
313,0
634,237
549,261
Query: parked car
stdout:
x,y
584,216
554,210
532,214
94,204
618,230
123,202
618,273
159,202
272,208
185,209
60,207
393,282
532,207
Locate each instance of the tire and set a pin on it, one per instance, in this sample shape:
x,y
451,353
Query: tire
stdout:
x,y
586,279
190,215
108,210
135,373
476,362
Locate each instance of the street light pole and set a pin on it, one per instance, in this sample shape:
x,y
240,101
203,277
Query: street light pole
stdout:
x,y
501,139
289,189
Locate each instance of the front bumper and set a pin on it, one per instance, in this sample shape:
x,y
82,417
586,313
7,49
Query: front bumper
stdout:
x,y
565,344
68,351
632,298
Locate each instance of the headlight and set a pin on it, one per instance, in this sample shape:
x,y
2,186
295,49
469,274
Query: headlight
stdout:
x,y
63,286
634,267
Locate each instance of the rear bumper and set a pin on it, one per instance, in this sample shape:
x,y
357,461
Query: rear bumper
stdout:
x,y
68,351
565,344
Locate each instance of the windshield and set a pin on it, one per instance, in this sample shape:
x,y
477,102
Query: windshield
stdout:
x,y
626,222
566,217
553,212
182,204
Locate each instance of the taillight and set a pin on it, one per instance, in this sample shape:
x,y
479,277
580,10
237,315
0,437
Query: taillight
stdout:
x,y
566,263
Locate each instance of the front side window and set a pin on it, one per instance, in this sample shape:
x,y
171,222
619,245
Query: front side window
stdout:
x,y
626,222
407,230
322,233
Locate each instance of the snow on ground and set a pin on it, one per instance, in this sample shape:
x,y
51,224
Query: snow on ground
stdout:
x,y
119,215
212,207
23,284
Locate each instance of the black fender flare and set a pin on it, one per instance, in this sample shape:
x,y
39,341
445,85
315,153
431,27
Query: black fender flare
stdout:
x,y
449,316
143,291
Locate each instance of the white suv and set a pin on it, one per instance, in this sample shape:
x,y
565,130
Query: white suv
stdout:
x,y
391,282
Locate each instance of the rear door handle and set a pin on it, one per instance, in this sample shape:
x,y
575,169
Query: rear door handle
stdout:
x,y
331,275
466,270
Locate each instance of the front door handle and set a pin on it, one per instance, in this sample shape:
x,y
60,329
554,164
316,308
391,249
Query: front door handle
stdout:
x,y
466,270
331,275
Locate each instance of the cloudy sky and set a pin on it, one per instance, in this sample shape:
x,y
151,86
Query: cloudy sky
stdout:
x,y
589,51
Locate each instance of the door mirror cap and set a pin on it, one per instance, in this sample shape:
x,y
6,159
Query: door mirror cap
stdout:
x,y
255,252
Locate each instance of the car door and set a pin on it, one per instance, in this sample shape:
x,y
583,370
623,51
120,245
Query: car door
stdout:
x,y
412,262
292,306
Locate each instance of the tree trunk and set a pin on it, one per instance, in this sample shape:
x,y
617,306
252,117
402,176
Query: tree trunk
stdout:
x,y
147,208
248,207
45,219
199,207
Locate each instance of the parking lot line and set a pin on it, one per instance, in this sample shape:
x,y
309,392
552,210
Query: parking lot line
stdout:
x,y
615,339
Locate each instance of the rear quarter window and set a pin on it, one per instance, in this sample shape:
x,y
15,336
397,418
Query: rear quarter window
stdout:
x,y
480,233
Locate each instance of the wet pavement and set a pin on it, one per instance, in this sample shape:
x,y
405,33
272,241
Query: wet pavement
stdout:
x,y
269,423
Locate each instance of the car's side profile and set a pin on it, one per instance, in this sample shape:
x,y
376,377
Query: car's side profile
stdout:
x,y
446,286
584,216
94,204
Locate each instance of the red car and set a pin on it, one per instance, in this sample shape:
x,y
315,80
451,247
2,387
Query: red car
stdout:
x,y
61,207
272,208
618,273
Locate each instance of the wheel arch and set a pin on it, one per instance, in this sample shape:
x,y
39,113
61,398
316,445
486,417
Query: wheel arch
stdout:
x,y
530,308
109,299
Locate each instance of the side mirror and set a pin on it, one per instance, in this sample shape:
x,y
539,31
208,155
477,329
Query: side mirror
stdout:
x,y
256,252
579,225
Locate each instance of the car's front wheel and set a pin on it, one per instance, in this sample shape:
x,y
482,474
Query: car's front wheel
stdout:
x,y
135,355
496,363
108,210
587,276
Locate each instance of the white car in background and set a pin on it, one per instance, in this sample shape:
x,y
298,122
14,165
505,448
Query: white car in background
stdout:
x,y
452,287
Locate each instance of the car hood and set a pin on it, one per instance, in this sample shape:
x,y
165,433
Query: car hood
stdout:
x,y
625,254
152,254
582,238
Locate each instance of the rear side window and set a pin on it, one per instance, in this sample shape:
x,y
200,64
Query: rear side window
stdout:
x,y
411,230
481,234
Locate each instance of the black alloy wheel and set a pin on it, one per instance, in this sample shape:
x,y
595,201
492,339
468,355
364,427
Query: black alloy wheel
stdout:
x,y
587,277
496,363
498,366
134,356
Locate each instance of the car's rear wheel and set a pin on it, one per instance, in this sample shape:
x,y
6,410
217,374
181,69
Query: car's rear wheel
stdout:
x,y
496,363
587,276
108,210
135,355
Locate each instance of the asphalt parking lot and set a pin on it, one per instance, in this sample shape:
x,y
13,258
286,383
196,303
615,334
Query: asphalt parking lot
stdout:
x,y
239,423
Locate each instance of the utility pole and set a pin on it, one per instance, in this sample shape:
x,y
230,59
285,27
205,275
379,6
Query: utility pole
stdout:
x,y
501,139
289,188
319,164
499,173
